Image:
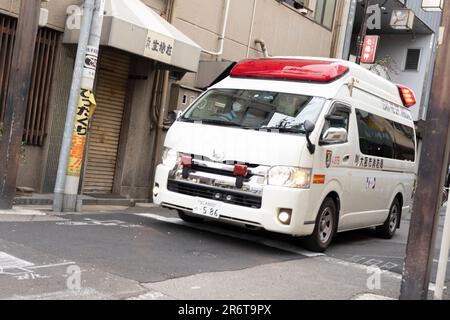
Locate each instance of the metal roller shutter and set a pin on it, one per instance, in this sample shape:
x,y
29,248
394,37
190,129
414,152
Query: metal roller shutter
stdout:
x,y
104,136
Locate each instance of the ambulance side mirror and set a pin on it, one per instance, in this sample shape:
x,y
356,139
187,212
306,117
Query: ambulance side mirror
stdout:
x,y
335,135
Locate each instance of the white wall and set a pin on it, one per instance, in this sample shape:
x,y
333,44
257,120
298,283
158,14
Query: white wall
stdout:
x,y
397,46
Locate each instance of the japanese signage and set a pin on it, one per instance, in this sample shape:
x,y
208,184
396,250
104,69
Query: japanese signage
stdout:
x,y
159,47
369,162
85,110
392,108
369,49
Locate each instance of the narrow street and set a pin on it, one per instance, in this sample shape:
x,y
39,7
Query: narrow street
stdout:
x,y
148,253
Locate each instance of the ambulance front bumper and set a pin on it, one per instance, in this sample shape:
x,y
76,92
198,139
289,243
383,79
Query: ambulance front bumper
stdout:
x,y
251,212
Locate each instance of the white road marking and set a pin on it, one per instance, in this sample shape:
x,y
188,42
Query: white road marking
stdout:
x,y
432,286
103,223
247,237
8,261
153,295
24,270
369,296
390,257
52,265
60,295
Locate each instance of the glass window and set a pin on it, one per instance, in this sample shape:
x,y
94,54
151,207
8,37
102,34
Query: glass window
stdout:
x,y
376,136
405,146
321,11
384,138
252,109
324,12
328,13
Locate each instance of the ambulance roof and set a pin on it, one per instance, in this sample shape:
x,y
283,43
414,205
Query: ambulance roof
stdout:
x,y
323,82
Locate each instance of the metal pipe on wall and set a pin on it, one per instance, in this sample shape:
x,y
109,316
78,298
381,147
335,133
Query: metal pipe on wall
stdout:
x,y
334,50
223,32
264,50
162,85
349,31
250,38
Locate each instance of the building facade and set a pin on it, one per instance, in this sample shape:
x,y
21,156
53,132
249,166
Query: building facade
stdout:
x,y
403,56
123,145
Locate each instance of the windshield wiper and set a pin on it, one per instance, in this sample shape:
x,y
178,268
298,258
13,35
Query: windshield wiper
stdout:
x,y
284,129
220,122
280,129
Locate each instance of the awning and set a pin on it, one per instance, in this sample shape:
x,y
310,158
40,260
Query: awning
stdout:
x,y
132,26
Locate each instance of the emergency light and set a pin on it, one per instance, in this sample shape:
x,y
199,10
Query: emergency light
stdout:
x,y
407,96
290,69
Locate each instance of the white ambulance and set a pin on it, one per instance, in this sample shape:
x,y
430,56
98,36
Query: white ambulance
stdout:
x,y
301,146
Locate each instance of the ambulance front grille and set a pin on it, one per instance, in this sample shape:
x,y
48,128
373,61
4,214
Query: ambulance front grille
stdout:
x,y
218,194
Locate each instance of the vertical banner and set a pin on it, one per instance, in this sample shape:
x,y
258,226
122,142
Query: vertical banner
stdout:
x,y
369,49
85,110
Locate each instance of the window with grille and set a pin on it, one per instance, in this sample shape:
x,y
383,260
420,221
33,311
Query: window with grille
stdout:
x,y
41,78
412,59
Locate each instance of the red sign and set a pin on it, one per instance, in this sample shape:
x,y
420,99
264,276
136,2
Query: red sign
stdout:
x,y
369,49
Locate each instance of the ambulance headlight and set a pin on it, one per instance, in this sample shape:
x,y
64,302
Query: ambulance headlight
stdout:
x,y
170,157
289,177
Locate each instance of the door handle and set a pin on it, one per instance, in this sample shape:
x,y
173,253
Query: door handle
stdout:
x,y
346,158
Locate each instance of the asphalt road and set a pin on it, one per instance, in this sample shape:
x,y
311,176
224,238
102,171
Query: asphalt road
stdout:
x,y
119,252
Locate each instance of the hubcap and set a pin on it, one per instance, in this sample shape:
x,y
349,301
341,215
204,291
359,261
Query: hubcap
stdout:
x,y
393,219
326,225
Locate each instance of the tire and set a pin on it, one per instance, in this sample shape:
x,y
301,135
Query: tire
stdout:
x,y
325,228
188,218
388,229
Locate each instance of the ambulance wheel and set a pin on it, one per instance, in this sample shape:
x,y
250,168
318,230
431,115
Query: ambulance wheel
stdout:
x,y
325,228
183,216
388,229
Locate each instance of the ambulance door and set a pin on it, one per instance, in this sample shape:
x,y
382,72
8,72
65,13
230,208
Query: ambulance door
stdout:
x,y
368,181
336,159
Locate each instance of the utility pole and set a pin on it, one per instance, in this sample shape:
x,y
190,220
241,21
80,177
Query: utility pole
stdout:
x,y
17,98
86,104
362,32
420,249
85,28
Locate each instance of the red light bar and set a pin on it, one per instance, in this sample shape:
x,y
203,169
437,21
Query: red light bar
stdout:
x,y
407,96
290,69
186,161
240,170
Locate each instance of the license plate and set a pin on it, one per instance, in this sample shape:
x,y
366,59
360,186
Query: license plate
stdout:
x,y
207,208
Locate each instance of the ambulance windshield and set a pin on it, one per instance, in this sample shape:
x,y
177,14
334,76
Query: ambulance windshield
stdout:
x,y
250,109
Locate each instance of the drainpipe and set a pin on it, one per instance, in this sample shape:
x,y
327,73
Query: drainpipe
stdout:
x,y
337,31
160,93
250,38
262,43
222,34
349,31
